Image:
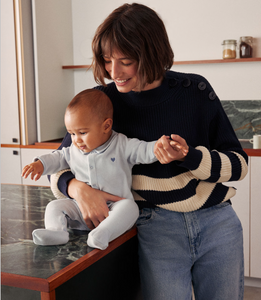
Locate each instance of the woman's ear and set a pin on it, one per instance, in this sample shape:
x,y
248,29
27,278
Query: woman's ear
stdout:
x,y
107,125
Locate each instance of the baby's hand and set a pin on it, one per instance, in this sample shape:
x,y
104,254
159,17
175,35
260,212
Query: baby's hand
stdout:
x,y
167,150
35,169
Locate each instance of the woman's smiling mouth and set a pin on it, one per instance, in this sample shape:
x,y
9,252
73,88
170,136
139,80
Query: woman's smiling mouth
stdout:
x,y
121,82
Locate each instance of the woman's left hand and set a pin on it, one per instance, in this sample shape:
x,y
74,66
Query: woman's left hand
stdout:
x,y
167,150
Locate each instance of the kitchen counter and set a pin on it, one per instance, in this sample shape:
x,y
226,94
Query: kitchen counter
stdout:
x,y
248,148
59,272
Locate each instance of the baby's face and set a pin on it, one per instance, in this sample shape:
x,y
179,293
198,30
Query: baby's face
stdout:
x,y
86,131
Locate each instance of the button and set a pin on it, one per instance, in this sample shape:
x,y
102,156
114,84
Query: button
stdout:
x,y
202,86
212,95
173,82
186,82
91,167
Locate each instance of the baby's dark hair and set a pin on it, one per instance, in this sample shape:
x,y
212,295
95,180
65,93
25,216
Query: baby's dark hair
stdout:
x,y
93,99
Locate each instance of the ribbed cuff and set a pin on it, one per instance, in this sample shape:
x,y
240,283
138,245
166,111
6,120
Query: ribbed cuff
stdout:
x,y
192,160
59,183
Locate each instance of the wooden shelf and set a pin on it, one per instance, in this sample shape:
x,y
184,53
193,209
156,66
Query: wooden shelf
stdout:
x,y
217,61
187,62
77,67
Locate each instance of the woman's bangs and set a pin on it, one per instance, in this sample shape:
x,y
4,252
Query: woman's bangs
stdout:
x,y
111,41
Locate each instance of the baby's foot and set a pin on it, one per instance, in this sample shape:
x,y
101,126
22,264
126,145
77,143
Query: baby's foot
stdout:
x,y
98,238
47,237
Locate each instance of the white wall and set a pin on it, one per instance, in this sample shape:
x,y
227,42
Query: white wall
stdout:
x,y
196,31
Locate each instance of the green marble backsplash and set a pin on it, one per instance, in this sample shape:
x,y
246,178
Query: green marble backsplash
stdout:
x,y
245,117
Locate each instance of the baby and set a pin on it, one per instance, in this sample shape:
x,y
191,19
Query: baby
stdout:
x,y
100,157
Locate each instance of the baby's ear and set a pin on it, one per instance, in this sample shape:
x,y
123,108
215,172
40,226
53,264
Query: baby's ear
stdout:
x,y
107,125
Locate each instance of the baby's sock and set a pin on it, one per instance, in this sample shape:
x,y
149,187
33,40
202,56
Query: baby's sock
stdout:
x,y
47,237
99,238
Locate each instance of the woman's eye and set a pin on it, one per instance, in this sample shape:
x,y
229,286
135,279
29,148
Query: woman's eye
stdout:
x,y
107,61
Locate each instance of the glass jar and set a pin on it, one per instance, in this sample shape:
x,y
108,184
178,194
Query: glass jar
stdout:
x,y
229,49
245,46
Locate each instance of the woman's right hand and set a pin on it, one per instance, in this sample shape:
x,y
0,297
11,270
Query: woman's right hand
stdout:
x,y
92,202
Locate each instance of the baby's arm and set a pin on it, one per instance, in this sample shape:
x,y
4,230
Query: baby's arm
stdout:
x,y
35,169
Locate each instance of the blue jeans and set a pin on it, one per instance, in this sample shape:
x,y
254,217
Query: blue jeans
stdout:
x,y
203,249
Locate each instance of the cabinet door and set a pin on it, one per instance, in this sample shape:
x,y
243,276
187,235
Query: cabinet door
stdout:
x,y
9,92
11,165
255,255
27,156
241,205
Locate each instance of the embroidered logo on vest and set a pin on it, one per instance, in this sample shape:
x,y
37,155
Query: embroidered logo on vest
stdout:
x,y
113,159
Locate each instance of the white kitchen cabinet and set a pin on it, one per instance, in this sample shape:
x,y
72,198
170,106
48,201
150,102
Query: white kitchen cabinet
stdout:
x,y
35,90
247,204
9,92
18,117
11,165
241,205
255,221
14,159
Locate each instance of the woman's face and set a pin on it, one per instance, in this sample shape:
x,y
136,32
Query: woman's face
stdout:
x,y
123,71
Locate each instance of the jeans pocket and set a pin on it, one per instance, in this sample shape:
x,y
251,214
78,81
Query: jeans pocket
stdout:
x,y
144,217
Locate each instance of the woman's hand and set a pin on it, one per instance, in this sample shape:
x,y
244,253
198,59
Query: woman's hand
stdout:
x,y
168,150
92,202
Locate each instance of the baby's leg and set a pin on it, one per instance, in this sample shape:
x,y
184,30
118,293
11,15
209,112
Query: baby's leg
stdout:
x,y
122,216
58,214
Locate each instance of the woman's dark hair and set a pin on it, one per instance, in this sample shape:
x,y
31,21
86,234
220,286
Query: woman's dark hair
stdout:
x,y
138,32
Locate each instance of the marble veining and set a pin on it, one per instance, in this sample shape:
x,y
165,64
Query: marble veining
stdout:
x,y
245,117
22,211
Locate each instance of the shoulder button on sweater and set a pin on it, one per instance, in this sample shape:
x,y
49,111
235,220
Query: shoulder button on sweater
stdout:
x,y
202,86
186,82
212,95
173,82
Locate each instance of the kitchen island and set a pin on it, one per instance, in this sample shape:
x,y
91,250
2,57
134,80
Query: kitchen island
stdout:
x,y
70,271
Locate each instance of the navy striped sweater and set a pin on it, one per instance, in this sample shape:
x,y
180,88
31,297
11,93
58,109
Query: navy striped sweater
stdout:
x,y
184,104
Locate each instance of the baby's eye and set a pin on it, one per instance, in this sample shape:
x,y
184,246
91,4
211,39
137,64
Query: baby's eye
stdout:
x,y
82,133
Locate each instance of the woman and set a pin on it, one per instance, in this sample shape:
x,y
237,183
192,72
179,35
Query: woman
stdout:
x,y
188,233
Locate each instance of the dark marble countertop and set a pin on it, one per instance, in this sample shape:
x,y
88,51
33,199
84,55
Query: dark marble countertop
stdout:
x,y
22,211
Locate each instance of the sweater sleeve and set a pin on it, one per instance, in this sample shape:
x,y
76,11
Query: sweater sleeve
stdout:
x,y
214,166
60,180
225,159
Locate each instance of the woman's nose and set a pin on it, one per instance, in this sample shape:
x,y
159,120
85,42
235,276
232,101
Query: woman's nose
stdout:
x,y
115,70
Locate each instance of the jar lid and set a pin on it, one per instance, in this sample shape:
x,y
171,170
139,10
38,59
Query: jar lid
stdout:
x,y
225,42
246,39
